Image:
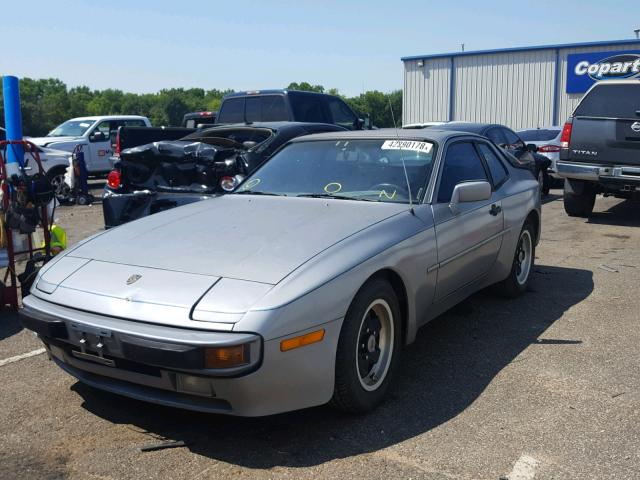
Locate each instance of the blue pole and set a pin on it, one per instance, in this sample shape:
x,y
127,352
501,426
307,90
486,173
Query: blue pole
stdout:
x,y
12,117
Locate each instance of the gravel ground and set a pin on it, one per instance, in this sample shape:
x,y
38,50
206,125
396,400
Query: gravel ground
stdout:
x,y
545,385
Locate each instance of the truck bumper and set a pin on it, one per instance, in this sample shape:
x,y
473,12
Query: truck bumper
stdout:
x,y
164,365
607,174
119,208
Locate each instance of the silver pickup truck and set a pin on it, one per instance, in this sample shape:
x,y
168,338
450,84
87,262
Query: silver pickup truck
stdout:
x,y
600,146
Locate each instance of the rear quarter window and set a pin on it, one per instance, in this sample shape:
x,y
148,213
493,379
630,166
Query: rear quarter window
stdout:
x,y
610,101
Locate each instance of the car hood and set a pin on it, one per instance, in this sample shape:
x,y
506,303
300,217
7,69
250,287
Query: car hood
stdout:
x,y
244,237
44,141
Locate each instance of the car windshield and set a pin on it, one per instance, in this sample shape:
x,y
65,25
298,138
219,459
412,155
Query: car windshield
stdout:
x,y
539,134
71,128
346,169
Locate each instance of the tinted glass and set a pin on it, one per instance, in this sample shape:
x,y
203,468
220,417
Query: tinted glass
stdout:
x,y
512,138
341,114
497,169
273,109
539,134
355,169
253,109
461,164
133,123
496,136
232,111
308,108
613,101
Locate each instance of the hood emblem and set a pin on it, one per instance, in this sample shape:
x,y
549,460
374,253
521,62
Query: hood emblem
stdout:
x,y
636,127
133,279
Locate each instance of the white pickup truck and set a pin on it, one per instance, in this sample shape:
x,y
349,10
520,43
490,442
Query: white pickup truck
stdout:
x,y
93,134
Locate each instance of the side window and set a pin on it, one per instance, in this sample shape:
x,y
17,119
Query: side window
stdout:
x,y
341,113
496,167
308,108
232,111
513,140
496,136
461,164
105,128
131,123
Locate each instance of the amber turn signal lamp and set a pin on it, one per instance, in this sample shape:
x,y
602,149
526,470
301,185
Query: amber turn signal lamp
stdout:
x,y
302,340
226,357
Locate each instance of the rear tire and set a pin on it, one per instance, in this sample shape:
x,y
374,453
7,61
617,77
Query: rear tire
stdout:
x,y
523,260
579,204
368,348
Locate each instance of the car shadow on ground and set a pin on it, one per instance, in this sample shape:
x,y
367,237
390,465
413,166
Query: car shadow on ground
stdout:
x,y
450,364
624,214
550,197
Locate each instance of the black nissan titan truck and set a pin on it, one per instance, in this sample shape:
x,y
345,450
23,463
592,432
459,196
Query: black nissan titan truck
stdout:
x,y
600,146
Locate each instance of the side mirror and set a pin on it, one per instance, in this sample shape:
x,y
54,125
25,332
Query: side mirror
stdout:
x,y
97,136
469,192
532,148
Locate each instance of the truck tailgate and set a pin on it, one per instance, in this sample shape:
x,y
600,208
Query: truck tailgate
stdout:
x,y
605,141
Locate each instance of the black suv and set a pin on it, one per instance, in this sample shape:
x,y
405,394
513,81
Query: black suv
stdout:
x,y
600,146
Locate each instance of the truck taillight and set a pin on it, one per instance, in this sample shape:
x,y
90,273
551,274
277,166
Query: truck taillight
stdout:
x,y
113,179
118,143
565,138
549,148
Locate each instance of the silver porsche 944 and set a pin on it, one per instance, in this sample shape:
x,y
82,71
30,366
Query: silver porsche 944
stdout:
x,y
302,286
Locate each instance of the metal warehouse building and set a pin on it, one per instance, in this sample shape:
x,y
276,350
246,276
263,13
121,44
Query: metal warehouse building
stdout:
x,y
519,87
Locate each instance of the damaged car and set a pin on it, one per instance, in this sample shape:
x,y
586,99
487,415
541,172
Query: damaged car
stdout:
x,y
299,288
162,175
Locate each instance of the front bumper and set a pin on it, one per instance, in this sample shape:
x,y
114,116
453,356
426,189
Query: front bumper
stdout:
x,y
614,174
119,208
154,363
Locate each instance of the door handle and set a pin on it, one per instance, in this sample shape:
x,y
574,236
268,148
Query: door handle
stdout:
x,y
495,209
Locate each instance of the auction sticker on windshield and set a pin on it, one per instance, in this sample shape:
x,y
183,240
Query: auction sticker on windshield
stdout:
x,y
407,145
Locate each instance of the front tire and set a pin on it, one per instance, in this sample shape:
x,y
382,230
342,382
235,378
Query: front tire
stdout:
x,y
368,348
61,190
523,259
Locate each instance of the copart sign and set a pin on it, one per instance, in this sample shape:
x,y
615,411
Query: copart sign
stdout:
x,y
583,69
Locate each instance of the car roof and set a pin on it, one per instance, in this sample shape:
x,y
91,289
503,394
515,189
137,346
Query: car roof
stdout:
x,y
110,117
434,134
273,91
472,127
549,127
274,125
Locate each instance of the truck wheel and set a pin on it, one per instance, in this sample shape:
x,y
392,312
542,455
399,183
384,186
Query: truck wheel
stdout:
x,y
368,348
579,203
61,190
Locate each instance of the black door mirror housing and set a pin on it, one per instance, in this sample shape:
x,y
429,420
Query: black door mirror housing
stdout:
x,y
97,136
532,148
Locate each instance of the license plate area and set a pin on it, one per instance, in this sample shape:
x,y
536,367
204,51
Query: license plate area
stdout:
x,y
93,343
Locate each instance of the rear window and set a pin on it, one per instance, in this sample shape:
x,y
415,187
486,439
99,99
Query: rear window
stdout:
x,y
232,111
268,108
539,134
612,101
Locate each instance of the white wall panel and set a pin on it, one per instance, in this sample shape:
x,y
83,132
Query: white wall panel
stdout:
x,y
426,93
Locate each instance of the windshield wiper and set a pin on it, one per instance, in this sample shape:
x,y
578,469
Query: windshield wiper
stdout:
x,y
337,197
249,192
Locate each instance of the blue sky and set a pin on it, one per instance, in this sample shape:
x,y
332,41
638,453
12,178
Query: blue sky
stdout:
x,y
143,46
